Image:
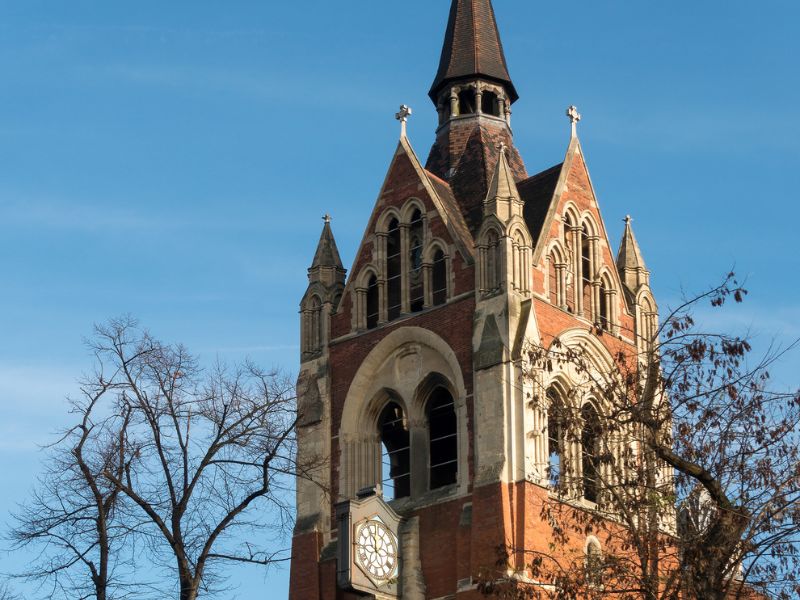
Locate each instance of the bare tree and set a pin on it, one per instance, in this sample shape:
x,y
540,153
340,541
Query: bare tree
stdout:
x,y
692,466
213,454
6,593
72,517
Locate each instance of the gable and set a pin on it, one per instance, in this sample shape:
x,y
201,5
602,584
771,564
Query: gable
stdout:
x,y
407,187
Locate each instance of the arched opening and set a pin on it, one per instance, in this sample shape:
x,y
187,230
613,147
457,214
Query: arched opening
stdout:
x,y
466,101
570,276
314,325
590,452
489,104
556,432
373,303
603,309
492,261
586,272
594,563
443,435
415,278
394,262
395,452
439,277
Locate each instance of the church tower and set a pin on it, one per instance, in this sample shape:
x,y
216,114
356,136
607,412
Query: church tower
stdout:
x,y
424,437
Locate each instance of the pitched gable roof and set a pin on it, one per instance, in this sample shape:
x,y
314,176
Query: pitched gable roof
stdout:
x,y
537,193
472,47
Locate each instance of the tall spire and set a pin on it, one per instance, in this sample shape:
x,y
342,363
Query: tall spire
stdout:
x,y
472,48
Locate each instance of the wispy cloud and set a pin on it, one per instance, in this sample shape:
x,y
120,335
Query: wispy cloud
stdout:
x,y
71,216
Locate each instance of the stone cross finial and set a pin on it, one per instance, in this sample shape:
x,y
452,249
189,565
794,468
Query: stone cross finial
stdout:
x,y
628,219
326,218
574,118
501,147
402,116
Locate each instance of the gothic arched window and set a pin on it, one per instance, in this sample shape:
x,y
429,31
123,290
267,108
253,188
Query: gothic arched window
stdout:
x,y
604,310
556,432
443,432
590,452
394,261
587,274
395,452
569,244
373,303
594,563
415,275
439,278
314,325
492,266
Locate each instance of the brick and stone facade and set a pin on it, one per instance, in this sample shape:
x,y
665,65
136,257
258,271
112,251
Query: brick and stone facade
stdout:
x,y
465,261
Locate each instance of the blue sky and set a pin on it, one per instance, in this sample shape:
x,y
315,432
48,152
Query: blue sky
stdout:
x,y
172,160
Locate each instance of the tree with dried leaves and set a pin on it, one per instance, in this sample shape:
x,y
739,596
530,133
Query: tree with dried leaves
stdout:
x,y
198,474
684,475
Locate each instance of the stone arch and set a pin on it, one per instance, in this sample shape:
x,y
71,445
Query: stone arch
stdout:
x,y
409,207
437,267
382,223
401,362
607,310
588,221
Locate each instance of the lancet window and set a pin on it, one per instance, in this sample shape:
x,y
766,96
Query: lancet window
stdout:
x,y
395,452
415,275
569,244
590,453
313,325
443,438
490,262
394,277
594,563
556,434
439,278
373,303
587,272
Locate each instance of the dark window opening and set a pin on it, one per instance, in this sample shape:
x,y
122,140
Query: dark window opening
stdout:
x,y
415,278
590,451
315,325
439,278
373,304
569,292
555,436
586,268
553,279
466,102
605,316
490,104
395,452
393,270
492,262
443,431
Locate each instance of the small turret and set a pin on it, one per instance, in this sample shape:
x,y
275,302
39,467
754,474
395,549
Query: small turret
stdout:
x,y
326,278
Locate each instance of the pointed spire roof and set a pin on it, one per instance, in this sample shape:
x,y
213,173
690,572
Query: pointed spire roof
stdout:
x,y
472,47
629,256
503,186
630,263
327,254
